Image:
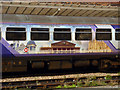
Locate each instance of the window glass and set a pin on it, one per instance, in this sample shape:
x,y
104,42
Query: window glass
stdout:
x,y
117,34
15,34
83,34
15,29
39,33
62,34
62,29
103,34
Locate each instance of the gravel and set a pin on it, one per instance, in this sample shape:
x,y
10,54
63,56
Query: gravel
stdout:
x,y
56,77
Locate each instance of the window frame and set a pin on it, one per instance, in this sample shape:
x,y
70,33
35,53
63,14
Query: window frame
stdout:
x,y
41,31
62,32
103,33
83,32
17,32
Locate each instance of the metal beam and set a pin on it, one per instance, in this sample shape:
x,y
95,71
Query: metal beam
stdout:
x,y
57,19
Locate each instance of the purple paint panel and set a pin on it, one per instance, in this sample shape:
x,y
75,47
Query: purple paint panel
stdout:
x,y
115,26
7,46
93,27
111,46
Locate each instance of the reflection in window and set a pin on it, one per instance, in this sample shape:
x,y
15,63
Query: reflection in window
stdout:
x,y
15,33
40,34
103,34
117,34
62,34
83,34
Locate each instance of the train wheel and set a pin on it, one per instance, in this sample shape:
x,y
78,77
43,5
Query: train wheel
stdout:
x,y
104,65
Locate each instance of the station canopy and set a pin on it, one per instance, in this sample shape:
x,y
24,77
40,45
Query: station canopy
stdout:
x,y
76,9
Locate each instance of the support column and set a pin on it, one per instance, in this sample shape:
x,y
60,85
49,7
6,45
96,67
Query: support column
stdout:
x,y
3,32
73,34
51,30
93,35
28,30
113,34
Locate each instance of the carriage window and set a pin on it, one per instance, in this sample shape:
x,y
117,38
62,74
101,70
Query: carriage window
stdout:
x,y
39,33
62,34
103,34
83,34
15,33
117,34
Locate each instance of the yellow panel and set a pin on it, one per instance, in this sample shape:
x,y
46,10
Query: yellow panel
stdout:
x,y
11,10
20,10
36,10
28,10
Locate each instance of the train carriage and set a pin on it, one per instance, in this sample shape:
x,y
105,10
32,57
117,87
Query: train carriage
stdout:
x,y
33,42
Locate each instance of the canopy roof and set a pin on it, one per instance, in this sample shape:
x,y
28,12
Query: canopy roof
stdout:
x,y
76,9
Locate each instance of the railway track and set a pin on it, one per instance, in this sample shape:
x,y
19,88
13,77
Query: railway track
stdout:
x,y
59,80
55,72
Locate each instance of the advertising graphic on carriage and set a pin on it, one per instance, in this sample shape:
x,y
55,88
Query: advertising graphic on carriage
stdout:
x,y
62,40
